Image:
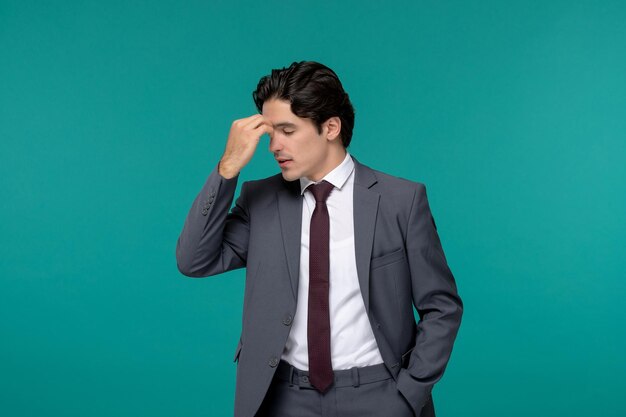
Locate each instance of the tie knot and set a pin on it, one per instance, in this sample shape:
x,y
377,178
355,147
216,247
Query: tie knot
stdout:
x,y
321,190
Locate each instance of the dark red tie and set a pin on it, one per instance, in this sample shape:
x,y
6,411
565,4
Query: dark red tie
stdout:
x,y
318,325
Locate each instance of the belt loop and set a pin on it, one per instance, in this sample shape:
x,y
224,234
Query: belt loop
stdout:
x,y
355,377
290,376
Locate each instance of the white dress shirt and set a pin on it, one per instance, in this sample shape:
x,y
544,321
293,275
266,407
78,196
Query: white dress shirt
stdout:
x,y
352,341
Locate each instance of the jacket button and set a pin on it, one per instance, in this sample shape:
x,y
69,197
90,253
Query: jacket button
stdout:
x,y
273,362
204,211
287,320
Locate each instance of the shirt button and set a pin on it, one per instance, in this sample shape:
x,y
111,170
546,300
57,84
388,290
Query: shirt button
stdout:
x,y
273,362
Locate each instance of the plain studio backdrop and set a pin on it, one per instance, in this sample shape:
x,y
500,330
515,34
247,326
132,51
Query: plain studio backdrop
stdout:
x,y
113,114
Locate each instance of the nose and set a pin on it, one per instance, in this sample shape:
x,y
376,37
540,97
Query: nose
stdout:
x,y
275,143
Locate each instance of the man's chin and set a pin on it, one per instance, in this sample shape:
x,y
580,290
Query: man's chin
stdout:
x,y
288,176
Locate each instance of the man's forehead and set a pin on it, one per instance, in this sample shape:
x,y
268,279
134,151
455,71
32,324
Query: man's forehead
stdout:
x,y
279,113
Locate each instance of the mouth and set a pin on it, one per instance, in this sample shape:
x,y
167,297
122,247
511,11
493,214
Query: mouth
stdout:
x,y
283,162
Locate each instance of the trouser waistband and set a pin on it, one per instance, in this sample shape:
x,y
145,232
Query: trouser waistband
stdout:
x,y
343,378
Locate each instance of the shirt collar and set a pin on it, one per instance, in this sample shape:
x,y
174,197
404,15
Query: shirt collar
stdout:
x,y
337,177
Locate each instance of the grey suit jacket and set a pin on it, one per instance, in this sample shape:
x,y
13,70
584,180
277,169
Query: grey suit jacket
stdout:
x,y
400,264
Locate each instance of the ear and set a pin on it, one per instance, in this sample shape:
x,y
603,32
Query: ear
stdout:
x,y
333,127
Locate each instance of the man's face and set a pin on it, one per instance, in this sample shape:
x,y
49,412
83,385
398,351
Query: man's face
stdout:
x,y
296,139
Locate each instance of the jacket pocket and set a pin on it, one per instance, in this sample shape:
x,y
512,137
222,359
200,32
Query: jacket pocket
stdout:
x,y
387,258
404,361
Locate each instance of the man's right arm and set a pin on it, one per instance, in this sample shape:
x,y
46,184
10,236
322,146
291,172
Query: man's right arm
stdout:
x,y
214,240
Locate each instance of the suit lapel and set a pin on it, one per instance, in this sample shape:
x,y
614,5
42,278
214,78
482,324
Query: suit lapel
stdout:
x,y
365,210
290,214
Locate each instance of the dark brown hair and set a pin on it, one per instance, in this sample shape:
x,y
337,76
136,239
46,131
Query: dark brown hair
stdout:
x,y
314,91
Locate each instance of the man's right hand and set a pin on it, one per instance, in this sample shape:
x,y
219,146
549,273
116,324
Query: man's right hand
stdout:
x,y
242,141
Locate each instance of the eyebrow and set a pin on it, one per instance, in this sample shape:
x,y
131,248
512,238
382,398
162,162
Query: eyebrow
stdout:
x,y
286,124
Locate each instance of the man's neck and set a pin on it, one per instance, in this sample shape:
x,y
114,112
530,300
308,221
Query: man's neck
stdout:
x,y
334,161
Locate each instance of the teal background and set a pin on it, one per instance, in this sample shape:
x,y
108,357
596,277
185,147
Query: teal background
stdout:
x,y
112,115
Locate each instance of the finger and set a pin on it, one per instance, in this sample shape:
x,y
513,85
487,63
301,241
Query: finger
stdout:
x,y
245,122
264,128
259,122
252,120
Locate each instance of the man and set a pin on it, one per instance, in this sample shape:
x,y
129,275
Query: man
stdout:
x,y
336,256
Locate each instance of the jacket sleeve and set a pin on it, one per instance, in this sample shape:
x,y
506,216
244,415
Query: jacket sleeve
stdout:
x,y
214,240
437,302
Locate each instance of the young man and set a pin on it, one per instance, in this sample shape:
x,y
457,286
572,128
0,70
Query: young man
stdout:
x,y
336,256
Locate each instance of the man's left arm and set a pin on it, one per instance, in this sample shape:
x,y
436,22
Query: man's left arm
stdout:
x,y
437,302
